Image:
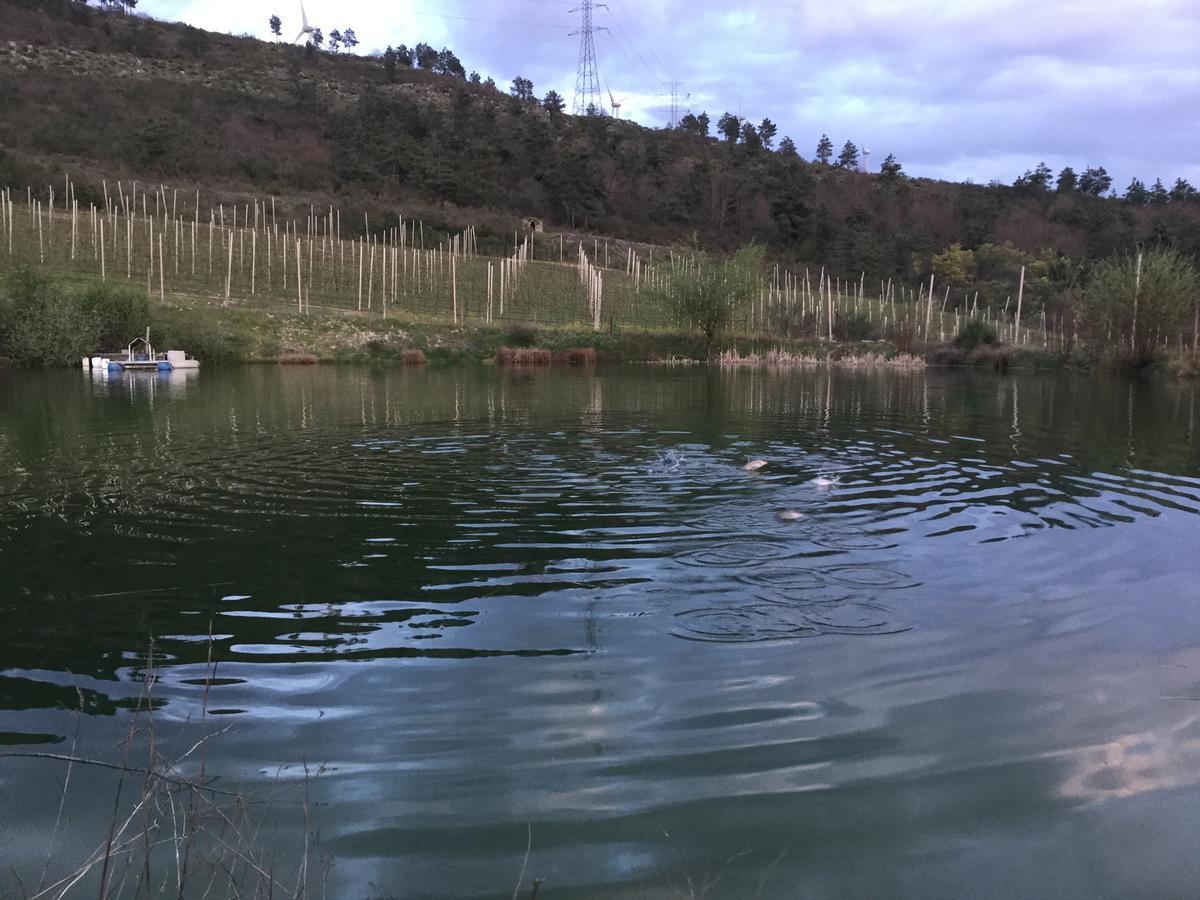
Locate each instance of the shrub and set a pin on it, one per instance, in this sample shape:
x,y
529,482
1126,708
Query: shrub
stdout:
x,y
709,294
43,326
974,333
854,327
1166,293
182,329
121,314
520,334
51,332
412,357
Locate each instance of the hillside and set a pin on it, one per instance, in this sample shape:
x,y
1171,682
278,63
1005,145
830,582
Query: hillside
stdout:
x,y
103,95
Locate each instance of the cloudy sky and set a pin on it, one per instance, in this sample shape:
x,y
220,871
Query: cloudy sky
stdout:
x,y
956,89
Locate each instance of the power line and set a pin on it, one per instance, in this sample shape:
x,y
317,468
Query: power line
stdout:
x,y
632,65
649,68
487,21
649,45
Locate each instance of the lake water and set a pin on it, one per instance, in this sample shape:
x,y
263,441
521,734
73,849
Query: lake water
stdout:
x,y
492,610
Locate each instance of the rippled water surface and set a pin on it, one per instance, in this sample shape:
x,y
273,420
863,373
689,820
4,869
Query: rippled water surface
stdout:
x,y
483,607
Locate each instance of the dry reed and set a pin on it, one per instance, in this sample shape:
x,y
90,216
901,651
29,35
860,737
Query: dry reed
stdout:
x,y
787,359
171,831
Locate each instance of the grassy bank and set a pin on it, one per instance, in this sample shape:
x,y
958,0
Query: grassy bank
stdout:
x,y
45,322
236,335
56,323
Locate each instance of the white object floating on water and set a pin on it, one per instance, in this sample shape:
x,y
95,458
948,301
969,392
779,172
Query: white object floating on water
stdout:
x,y
754,465
825,482
179,360
789,515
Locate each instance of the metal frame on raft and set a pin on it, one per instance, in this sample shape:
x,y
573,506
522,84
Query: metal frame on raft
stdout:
x,y
139,356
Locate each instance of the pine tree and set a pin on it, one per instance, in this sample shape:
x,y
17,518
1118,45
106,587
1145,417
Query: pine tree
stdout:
x,y
424,56
554,104
824,149
1136,193
276,24
1182,191
766,133
1095,181
891,168
729,126
751,138
1040,177
390,60
1158,193
447,64
848,158
522,88
1067,182
787,147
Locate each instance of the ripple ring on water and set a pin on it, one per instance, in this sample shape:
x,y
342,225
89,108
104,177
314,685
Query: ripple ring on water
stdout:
x,y
870,577
798,578
734,554
850,539
738,625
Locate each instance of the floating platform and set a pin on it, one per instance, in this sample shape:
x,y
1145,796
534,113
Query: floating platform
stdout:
x,y
139,356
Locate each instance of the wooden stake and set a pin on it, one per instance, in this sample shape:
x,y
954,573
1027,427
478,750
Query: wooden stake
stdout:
x,y
229,269
1020,297
371,275
1137,290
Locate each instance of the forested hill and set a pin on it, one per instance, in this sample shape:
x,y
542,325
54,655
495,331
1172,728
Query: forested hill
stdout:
x,y
101,94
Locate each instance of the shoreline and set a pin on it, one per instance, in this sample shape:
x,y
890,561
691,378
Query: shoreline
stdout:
x,y
219,335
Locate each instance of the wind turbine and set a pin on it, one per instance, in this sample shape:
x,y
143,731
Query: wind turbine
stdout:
x,y
866,152
306,29
615,103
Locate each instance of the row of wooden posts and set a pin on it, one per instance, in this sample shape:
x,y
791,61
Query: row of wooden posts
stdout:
x,y
249,250
384,267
